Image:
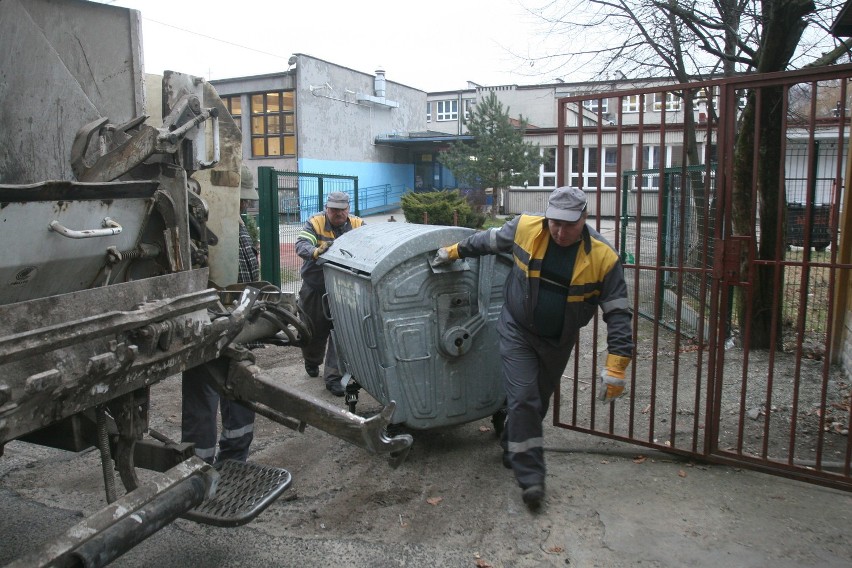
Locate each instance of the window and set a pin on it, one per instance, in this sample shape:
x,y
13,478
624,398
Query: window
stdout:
x,y
672,101
589,176
651,162
593,105
547,169
610,167
428,111
630,103
468,108
448,110
273,124
234,105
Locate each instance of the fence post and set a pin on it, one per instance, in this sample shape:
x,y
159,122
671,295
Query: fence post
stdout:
x,y
270,250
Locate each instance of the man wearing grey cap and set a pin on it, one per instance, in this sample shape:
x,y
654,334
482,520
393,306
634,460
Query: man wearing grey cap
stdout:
x,y
563,271
314,239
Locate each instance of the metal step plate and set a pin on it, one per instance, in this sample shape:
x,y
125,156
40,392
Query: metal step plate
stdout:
x,y
243,492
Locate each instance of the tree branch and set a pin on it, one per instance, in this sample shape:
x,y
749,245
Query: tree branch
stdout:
x,y
845,48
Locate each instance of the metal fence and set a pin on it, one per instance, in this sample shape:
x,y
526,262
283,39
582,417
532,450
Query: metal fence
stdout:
x,y
288,199
743,354
671,233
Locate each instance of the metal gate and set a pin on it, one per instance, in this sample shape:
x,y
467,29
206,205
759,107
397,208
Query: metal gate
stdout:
x,y
287,200
737,268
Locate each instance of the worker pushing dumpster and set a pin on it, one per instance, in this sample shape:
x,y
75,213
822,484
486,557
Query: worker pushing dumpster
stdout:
x,y
422,336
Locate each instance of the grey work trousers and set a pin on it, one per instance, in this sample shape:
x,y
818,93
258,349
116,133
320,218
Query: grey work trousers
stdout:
x,y
322,340
532,368
199,424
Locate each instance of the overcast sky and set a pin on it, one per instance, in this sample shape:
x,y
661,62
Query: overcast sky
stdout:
x,y
437,45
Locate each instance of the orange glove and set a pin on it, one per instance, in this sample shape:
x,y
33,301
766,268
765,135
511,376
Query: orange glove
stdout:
x,y
446,255
321,248
611,382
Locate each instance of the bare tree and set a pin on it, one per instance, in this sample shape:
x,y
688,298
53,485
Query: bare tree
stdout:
x,y
639,37
697,40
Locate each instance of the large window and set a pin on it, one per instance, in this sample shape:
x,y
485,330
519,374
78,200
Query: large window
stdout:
x,y
672,101
630,103
234,105
654,157
448,110
589,176
469,104
547,170
594,104
610,167
273,124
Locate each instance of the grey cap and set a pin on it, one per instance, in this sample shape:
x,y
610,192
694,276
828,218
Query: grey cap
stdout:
x,y
337,200
247,190
566,204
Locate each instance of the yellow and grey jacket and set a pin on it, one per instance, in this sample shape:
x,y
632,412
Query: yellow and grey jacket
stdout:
x,y
316,230
597,279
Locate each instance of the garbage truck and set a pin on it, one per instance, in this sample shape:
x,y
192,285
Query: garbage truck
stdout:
x,y
119,194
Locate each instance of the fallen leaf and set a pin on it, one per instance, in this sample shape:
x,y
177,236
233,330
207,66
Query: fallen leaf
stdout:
x,y
484,429
681,473
555,549
639,459
434,500
604,462
647,409
480,563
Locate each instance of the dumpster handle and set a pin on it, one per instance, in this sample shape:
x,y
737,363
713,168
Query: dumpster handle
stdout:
x,y
368,333
110,227
457,340
326,307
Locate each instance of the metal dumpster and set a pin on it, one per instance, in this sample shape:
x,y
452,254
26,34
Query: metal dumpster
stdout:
x,y
422,336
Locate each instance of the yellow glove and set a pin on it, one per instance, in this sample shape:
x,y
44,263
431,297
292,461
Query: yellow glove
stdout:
x,y
321,248
611,382
446,255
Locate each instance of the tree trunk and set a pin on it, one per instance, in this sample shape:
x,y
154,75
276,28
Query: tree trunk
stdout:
x,y
783,28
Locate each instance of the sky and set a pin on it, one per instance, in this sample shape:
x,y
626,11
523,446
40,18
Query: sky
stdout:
x,y
437,45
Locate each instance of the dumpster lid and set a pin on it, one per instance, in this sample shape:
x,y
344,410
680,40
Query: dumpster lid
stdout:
x,y
377,249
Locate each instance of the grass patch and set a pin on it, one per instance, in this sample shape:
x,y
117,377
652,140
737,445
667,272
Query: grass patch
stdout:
x,y
495,222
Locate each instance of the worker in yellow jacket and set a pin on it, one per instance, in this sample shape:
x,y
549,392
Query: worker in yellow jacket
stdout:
x,y
563,272
313,241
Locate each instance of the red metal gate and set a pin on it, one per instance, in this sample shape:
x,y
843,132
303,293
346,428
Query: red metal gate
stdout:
x,y
736,264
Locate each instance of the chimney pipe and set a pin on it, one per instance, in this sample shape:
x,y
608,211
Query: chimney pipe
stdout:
x,y
379,83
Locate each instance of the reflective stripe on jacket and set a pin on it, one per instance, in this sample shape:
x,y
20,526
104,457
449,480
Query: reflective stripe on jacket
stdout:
x,y
317,229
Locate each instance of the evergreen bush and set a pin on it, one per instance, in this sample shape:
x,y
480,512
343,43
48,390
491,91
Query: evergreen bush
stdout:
x,y
439,207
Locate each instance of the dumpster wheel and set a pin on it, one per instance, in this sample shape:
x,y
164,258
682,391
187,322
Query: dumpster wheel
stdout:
x,y
498,420
351,394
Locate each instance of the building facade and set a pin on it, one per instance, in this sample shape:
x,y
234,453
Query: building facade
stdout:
x,y
318,117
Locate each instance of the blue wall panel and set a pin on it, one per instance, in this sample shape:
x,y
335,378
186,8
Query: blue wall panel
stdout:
x,y
369,173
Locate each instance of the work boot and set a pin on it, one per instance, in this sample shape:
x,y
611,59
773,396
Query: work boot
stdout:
x,y
312,370
335,387
507,463
533,495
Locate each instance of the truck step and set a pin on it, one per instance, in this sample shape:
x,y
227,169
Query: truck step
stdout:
x,y
243,492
